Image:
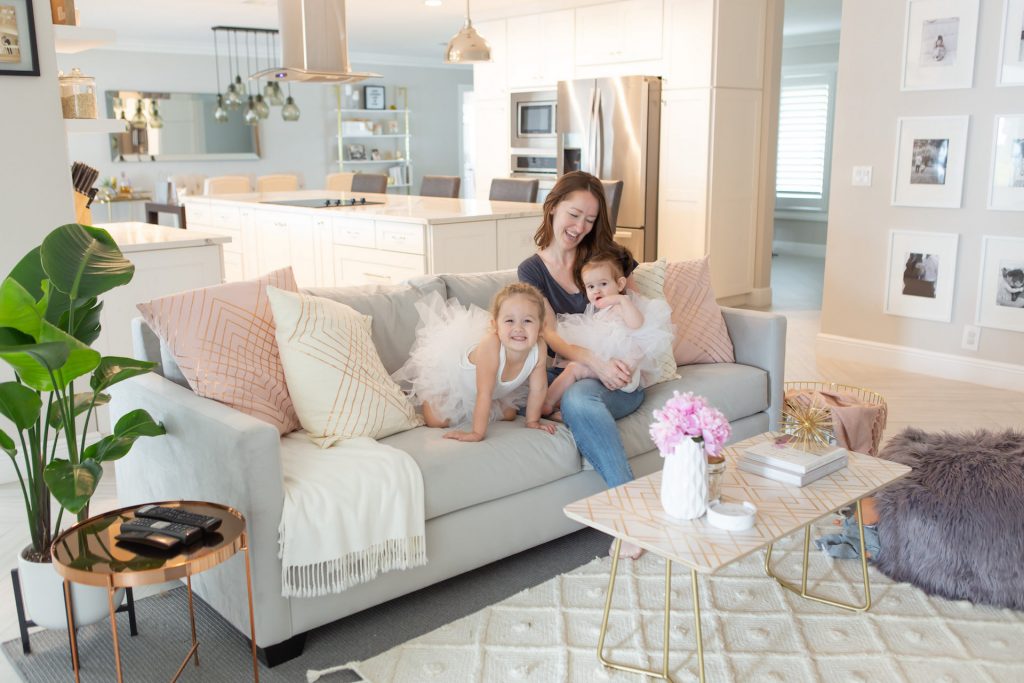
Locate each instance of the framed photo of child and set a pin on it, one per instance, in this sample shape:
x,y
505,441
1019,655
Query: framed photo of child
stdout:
x,y
1006,189
938,44
1001,290
1011,51
922,274
931,152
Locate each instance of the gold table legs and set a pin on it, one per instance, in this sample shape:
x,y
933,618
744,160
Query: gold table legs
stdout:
x,y
802,589
663,674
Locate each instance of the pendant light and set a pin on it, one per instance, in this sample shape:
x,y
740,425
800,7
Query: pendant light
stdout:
x,y
239,85
155,120
276,97
290,110
262,108
138,120
467,46
220,114
232,97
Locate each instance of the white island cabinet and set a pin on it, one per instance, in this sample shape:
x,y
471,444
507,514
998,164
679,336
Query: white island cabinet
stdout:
x,y
385,243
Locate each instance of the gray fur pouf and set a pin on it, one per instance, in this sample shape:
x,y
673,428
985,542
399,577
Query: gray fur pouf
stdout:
x,y
954,526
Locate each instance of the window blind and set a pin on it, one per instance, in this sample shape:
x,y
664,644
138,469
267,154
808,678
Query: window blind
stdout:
x,y
803,137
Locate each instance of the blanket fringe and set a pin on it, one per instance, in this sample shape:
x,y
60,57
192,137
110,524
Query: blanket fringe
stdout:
x,y
334,576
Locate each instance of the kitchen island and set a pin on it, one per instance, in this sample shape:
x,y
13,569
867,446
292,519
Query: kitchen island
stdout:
x,y
387,240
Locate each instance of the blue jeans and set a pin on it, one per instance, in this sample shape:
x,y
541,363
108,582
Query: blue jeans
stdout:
x,y
589,410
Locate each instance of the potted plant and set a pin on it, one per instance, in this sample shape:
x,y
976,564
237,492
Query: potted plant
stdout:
x,y
49,317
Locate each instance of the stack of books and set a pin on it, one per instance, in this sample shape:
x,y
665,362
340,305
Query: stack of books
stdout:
x,y
790,464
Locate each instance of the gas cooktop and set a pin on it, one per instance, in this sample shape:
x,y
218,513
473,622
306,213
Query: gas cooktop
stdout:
x,y
324,203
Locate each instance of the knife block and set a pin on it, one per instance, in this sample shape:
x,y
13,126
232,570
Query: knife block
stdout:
x,y
83,215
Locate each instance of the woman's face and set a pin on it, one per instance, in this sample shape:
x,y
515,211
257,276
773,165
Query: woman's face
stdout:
x,y
573,217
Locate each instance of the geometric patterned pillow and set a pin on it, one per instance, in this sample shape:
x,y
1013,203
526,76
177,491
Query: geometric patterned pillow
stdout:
x,y
222,338
337,380
649,281
701,334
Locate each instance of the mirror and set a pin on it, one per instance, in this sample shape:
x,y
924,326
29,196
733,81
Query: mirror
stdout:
x,y
189,132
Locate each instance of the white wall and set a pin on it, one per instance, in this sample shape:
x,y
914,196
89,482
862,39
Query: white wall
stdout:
x,y
860,218
303,147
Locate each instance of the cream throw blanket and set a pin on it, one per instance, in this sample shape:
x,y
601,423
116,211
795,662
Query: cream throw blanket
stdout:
x,y
350,512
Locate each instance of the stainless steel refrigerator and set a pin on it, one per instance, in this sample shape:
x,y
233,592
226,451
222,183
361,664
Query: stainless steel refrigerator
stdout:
x,y
611,127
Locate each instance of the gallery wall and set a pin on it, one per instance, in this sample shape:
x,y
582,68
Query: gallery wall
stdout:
x,y
853,322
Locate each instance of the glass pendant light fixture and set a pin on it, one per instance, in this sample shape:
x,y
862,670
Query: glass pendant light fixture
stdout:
x,y
251,117
239,84
276,97
467,46
155,120
232,97
262,108
138,120
220,114
290,110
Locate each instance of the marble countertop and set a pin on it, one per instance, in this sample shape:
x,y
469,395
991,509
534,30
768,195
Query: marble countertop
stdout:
x,y
401,208
133,236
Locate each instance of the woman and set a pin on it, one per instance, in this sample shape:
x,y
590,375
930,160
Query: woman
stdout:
x,y
575,226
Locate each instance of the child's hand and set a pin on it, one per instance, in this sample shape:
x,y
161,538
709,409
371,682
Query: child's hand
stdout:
x,y
609,301
464,436
544,426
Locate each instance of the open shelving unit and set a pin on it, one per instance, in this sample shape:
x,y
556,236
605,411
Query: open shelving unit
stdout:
x,y
356,132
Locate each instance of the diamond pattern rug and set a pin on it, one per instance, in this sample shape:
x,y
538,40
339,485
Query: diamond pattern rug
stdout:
x,y
753,630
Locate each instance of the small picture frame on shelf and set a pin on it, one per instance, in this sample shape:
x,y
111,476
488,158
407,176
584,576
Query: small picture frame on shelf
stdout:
x,y
938,44
1011,53
1001,290
930,156
375,155
922,274
18,53
1006,189
373,96
392,127
356,151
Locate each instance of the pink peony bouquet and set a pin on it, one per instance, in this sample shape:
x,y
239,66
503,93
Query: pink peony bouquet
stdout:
x,y
685,416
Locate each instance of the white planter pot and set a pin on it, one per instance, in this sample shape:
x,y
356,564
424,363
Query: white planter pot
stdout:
x,y
43,590
684,481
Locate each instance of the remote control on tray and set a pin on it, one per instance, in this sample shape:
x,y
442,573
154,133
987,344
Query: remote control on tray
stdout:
x,y
182,532
178,516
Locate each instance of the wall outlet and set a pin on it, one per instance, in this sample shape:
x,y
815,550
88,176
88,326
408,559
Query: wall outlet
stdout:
x,y
861,176
970,339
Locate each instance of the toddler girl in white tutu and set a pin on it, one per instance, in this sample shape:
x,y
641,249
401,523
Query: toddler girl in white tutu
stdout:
x,y
468,367
616,324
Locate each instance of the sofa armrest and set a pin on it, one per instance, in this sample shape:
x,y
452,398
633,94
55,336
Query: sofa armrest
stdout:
x,y
759,339
214,453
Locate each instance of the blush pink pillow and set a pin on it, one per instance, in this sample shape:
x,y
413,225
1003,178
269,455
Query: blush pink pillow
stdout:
x,y
222,338
701,335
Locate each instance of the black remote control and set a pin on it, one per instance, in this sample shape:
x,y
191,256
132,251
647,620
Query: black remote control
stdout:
x,y
148,538
182,532
178,516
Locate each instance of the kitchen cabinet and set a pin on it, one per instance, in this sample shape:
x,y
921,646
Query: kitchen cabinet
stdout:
x,y
540,49
490,79
627,31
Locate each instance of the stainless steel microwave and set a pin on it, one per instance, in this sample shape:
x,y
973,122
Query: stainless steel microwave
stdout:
x,y
533,119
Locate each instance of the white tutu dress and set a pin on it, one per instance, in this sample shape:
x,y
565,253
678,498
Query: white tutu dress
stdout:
x,y
604,333
439,370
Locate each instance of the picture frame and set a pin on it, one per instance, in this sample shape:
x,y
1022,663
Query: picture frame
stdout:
x,y
19,55
1010,68
356,151
939,41
921,274
1006,187
930,158
373,96
1001,288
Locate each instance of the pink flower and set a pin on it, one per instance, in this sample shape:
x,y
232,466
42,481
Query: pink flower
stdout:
x,y
685,416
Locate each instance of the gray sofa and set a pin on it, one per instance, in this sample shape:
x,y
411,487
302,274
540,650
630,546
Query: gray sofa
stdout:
x,y
517,480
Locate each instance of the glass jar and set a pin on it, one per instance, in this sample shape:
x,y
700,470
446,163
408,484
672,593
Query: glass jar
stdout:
x,y
77,95
716,469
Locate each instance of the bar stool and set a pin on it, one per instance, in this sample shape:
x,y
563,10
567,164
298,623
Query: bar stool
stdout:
x,y
514,190
339,182
283,182
154,209
226,184
441,186
370,182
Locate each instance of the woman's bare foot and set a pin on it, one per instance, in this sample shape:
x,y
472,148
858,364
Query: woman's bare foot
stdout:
x,y
627,551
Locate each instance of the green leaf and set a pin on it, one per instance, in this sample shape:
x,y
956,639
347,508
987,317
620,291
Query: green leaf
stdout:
x,y
82,402
114,369
86,320
83,261
29,273
67,358
19,404
7,444
18,309
128,429
72,485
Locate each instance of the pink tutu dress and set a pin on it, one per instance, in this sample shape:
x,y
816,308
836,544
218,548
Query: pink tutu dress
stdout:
x,y
439,371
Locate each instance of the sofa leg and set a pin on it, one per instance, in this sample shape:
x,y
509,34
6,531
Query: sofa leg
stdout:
x,y
280,653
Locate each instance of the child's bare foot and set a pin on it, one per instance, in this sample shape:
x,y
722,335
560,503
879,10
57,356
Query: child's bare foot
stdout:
x,y
548,408
555,416
627,551
508,414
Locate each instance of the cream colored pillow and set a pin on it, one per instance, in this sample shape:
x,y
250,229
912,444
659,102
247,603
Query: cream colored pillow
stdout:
x,y
337,381
649,279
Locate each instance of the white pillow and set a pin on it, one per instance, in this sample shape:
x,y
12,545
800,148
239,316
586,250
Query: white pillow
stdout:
x,y
649,279
338,384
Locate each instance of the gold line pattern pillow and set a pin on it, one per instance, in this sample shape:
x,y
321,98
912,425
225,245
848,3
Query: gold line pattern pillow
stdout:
x,y
222,338
337,380
701,334
649,279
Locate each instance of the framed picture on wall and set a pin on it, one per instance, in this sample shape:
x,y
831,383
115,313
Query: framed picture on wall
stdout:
x,y
373,96
1001,290
922,274
938,44
1006,191
1011,51
930,156
18,54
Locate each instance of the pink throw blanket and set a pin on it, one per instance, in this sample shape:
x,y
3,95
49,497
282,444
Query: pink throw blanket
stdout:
x,y
858,426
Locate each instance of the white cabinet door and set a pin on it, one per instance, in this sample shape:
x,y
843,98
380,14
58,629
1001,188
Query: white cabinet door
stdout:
x,y
492,143
463,247
273,244
628,31
683,176
540,49
490,79
515,241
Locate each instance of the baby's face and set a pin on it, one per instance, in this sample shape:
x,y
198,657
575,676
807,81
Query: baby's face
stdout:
x,y
600,281
518,323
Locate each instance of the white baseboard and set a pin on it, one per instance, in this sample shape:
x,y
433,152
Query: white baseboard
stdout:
x,y
946,365
798,248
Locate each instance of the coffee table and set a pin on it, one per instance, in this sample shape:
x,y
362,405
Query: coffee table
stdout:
x,y
632,512
88,553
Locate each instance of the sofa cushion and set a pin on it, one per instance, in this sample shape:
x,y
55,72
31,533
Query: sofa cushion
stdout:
x,y
393,309
701,334
338,384
511,459
478,288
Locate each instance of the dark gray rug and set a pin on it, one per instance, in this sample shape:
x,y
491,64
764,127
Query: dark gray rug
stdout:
x,y
954,526
164,633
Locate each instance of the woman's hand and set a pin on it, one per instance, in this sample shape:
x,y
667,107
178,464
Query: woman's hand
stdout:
x,y
464,436
543,426
614,374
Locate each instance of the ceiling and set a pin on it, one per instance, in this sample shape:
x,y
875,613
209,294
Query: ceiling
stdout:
x,y
402,29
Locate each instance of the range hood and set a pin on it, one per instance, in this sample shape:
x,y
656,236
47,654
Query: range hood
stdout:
x,y
314,44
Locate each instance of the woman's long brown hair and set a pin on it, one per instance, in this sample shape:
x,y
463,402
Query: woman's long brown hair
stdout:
x,y
601,236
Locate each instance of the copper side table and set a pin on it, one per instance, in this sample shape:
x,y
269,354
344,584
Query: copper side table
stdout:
x,y
88,553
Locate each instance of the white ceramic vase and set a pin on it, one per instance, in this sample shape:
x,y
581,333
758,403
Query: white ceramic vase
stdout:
x,y
43,590
684,481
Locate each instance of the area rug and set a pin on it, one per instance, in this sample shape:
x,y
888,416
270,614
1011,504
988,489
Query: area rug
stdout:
x,y
753,631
